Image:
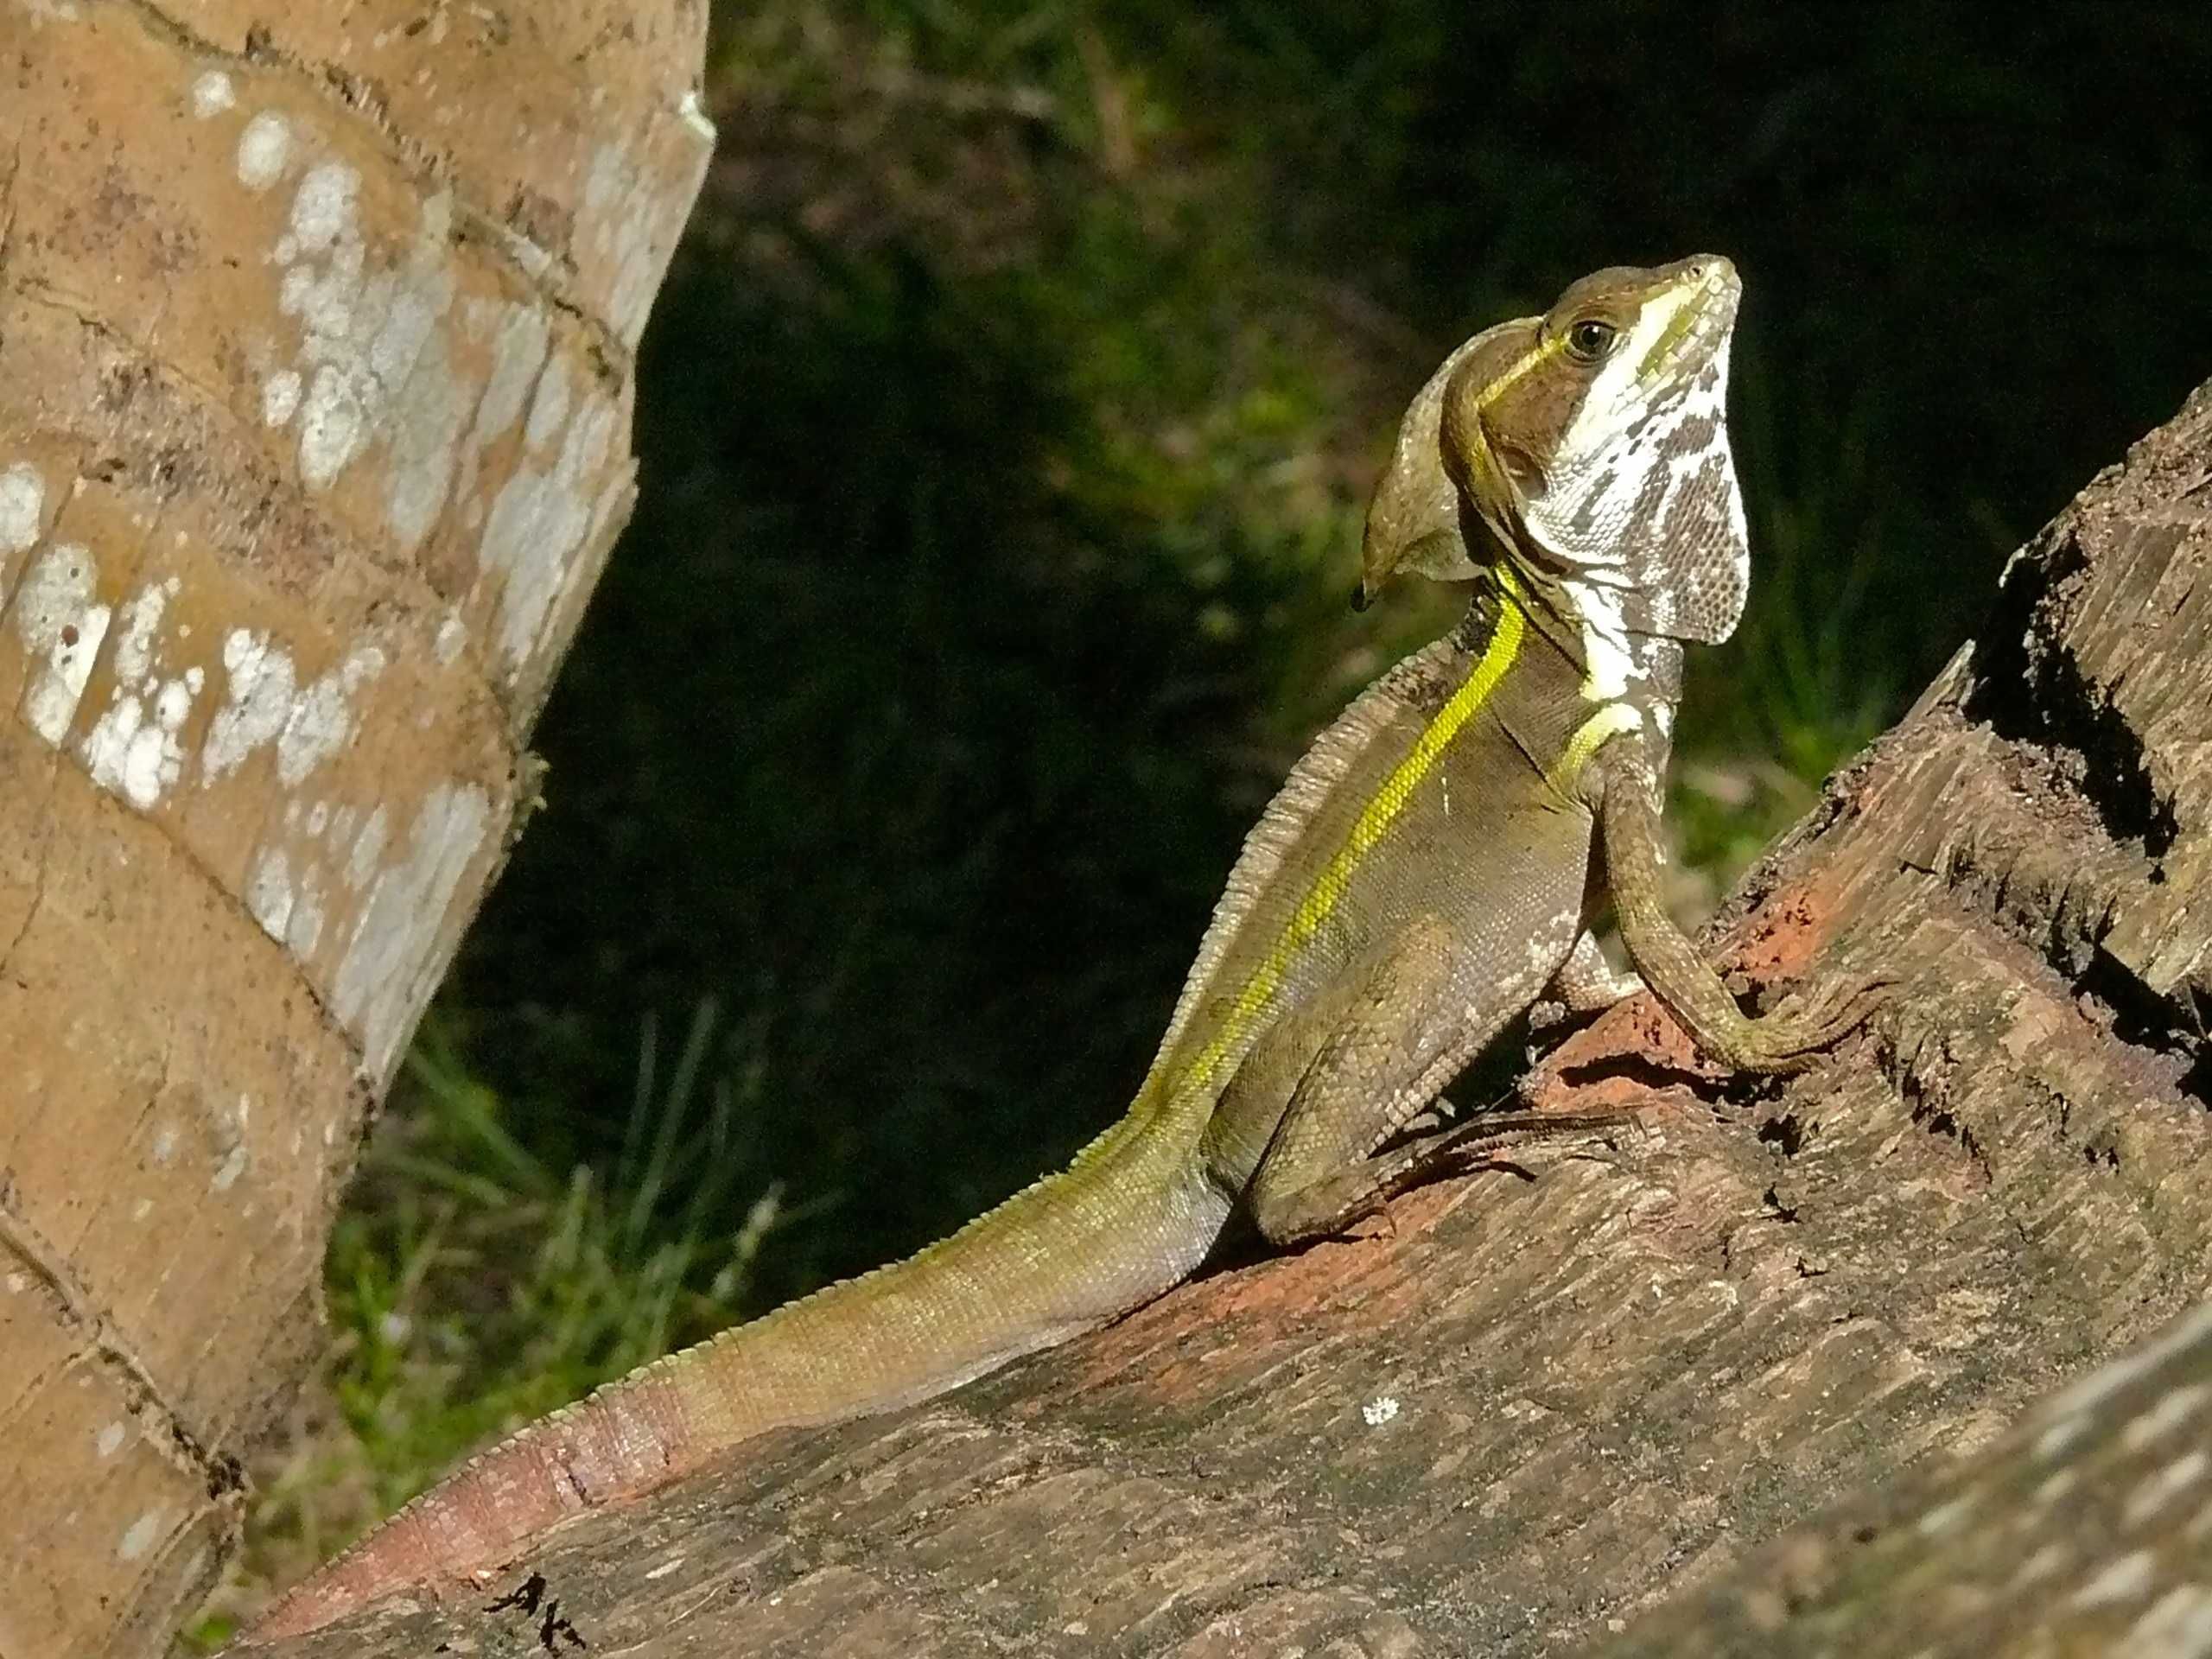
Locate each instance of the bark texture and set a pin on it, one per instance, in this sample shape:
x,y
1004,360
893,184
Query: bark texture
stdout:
x,y
1537,1408
315,335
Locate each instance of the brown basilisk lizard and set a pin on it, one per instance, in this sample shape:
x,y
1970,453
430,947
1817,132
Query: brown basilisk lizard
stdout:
x,y
1429,870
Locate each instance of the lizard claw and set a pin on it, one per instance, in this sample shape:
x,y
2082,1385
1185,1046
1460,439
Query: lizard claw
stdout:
x,y
1806,1023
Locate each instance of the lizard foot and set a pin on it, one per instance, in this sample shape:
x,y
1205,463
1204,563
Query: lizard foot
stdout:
x,y
1792,1037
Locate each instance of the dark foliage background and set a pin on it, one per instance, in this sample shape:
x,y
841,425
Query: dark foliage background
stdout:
x,y
1005,430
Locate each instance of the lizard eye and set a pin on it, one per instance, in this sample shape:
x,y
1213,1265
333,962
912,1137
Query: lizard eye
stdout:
x,y
1591,338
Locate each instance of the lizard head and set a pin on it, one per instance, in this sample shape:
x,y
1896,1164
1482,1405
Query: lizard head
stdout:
x,y
1590,444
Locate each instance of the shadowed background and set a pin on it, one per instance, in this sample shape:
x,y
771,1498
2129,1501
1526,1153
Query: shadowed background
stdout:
x,y
1005,430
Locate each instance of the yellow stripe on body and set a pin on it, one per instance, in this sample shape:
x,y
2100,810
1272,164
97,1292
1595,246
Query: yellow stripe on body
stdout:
x,y
1375,820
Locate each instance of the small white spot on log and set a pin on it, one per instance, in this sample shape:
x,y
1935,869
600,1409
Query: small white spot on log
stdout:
x,y
1380,1410
1945,1517
690,112
539,522
139,1536
2124,1578
227,1172
269,892
109,1441
517,353
164,1144
322,211
390,964
548,411
2056,1438
22,496
368,850
2154,1494
133,750
2179,1623
141,1209
260,702
141,619
2041,1565
130,756
664,1568
453,634
620,224
265,148
330,428
280,397
56,619
321,717
2173,1409
211,94
304,931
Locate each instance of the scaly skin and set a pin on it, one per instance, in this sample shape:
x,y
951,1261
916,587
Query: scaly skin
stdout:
x,y
1428,870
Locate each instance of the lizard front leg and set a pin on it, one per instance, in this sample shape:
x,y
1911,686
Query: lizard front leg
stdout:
x,y
1670,963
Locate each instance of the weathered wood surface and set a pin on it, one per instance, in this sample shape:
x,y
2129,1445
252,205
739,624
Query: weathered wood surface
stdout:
x,y
2086,1530
1539,1408
315,326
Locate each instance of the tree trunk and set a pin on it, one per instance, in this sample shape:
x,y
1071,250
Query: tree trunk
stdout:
x,y
315,335
1535,1407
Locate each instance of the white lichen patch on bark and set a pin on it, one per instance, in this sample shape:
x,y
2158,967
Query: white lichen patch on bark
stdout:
x,y
227,1172
372,362
322,715
269,892
141,1536
620,225
259,702
693,114
390,966
61,625
374,366
23,498
211,94
264,150
265,704
367,850
136,750
453,638
541,519
280,397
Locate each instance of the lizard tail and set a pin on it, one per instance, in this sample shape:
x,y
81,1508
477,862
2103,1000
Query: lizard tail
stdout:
x,y
900,1334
